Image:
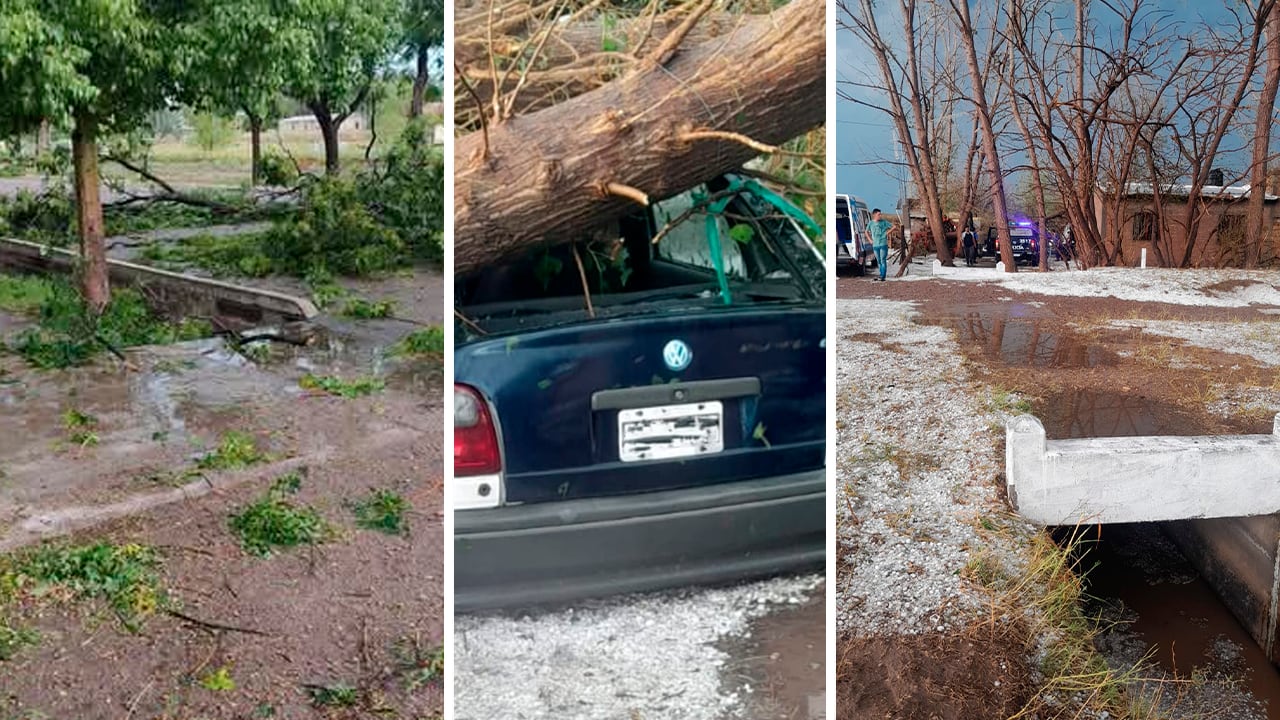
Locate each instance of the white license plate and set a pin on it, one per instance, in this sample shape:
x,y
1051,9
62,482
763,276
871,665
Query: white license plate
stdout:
x,y
671,431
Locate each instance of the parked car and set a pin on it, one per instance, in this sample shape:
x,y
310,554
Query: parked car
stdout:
x,y
853,246
1024,241
664,427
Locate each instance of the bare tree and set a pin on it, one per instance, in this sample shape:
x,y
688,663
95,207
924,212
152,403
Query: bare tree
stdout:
x,y
1205,117
982,112
903,80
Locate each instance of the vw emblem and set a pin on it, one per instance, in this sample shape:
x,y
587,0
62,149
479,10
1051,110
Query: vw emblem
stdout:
x,y
677,355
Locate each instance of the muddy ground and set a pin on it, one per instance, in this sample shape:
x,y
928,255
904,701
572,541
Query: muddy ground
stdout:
x,y
1182,353
361,610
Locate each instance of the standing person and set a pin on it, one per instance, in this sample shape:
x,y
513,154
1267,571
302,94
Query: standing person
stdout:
x,y
970,248
879,229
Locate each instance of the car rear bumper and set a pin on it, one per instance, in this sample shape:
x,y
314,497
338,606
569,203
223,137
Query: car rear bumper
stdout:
x,y
554,552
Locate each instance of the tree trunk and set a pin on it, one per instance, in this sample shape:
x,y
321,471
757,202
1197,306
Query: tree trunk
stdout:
x,y
545,178
983,113
329,131
255,143
420,80
573,57
93,254
915,142
42,138
1255,230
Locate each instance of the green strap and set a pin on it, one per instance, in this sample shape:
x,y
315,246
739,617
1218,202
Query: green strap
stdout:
x,y
715,210
785,206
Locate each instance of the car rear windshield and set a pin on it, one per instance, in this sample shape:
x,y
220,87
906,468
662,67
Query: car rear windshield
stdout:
x,y
651,261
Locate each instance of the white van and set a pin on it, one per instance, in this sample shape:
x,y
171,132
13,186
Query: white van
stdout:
x,y
853,242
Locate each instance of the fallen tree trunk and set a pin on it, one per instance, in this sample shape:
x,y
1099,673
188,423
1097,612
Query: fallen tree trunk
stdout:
x,y
575,58
547,177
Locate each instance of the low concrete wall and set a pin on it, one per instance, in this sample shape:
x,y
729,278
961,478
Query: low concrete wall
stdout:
x,y
1220,492
1139,479
941,270
172,293
1238,558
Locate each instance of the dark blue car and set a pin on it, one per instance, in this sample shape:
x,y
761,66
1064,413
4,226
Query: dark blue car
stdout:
x,y
662,426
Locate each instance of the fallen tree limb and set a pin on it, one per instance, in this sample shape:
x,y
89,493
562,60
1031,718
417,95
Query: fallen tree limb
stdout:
x,y
545,176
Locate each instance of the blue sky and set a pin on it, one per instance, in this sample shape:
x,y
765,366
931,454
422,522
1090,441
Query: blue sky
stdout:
x,y
864,137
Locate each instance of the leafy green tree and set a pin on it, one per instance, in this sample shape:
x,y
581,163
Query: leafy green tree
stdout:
x,y
248,50
100,66
347,41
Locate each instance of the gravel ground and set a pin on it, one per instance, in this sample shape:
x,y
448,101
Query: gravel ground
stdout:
x,y
1258,339
915,467
573,663
1181,287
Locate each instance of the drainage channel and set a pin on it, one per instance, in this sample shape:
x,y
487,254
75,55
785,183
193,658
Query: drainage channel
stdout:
x,y
1153,601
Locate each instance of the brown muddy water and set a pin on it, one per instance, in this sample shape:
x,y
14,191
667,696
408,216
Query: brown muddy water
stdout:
x,y
1138,579
782,659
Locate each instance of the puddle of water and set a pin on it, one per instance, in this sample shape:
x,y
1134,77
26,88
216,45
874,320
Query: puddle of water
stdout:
x,y
1021,335
1178,615
783,661
1084,413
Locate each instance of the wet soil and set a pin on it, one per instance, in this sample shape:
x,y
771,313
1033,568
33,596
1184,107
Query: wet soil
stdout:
x,y
779,666
344,612
359,610
978,672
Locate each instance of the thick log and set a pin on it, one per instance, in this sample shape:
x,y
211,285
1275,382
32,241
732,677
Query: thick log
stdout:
x,y
574,59
550,176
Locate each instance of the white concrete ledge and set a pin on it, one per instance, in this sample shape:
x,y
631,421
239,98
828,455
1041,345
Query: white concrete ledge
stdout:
x,y
1139,479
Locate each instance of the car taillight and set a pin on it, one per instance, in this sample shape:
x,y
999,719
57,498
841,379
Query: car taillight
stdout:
x,y
475,442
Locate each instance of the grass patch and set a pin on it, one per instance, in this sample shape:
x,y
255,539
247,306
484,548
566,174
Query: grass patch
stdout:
x,y
382,510
429,341
219,680
1009,402
337,695
80,427
24,294
361,309
418,665
67,335
126,577
227,255
1052,588
236,450
273,522
336,386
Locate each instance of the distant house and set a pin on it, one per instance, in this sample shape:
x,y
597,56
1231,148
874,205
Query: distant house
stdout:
x,y
307,123
1220,234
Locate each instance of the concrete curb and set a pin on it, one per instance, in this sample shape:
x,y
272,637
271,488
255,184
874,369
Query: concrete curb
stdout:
x,y
1139,479
177,293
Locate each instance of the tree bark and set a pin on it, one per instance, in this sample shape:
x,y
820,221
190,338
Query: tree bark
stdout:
x,y
255,144
544,178
988,133
329,131
93,254
573,57
1255,229
420,80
